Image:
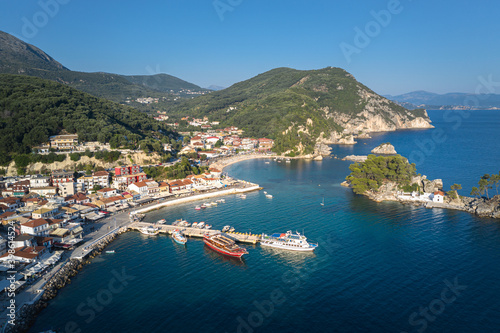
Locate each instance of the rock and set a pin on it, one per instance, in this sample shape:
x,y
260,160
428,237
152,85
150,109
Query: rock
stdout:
x,y
385,148
355,158
363,136
432,186
318,158
345,183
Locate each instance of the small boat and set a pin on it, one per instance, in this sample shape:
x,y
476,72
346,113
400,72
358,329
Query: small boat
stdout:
x,y
232,229
213,203
221,201
194,225
203,206
110,251
265,192
208,226
201,225
197,207
267,162
243,196
150,231
288,160
178,237
206,204
226,228
162,221
322,202
224,245
269,196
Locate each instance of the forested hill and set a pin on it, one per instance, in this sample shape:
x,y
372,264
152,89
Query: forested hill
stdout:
x,y
32,109
298,107
18,57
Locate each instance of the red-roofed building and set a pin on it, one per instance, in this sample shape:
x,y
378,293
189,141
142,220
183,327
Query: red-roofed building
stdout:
x,y
38,227
106,192
438,196
139,187
25,254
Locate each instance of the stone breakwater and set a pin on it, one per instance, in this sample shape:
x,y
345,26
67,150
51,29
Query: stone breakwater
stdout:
x,y
27,314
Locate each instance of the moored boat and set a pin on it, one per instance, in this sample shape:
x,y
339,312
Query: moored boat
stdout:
x,y
207,204
243,196
213,203
110,251
201,225
194,225
178,237
231,229
208,226
269,196
162,221
197,207
224,245
288,241
226,228
203,206
150,231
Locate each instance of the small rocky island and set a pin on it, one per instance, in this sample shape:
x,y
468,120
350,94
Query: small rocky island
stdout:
x,y
393,178
385,149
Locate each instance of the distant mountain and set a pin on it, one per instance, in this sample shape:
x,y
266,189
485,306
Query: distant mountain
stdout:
x,y
163,83
18,57
302,108
32,109
216,88
451,100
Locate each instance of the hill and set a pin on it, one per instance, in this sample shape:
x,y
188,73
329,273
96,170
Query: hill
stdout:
x,y
32,109
163,83
301,108
18,57
447,101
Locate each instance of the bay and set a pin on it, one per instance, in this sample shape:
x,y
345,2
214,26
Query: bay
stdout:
x,y
380,267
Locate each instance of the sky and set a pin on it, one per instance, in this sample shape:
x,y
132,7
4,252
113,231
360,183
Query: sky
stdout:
x,y
391,46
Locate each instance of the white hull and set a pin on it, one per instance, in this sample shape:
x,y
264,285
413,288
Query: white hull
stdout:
x,y
286,247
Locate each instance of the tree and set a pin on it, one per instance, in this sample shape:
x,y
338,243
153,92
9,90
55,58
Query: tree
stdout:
x,y
485,184
219,144
455,188
495,180
475,192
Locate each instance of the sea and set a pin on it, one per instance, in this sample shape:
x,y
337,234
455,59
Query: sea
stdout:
x,y
379,267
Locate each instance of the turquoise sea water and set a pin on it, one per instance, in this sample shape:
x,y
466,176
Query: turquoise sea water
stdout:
x,y
380,267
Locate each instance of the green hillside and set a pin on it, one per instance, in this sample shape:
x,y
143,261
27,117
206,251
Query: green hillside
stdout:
x,y
18,57
302,102
32,109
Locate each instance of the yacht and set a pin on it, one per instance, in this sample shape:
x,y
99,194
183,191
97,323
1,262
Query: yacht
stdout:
x,y
288,241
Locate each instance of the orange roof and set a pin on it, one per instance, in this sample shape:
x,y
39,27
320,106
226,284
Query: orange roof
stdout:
x,y
107,189
7,214
100,173
35,223
28,252
141,184
439,192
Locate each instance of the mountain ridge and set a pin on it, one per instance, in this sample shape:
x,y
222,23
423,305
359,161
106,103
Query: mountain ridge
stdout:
x,y
429,100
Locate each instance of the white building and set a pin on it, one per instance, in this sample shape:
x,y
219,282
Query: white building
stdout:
x,y
438,197
38,227
39,182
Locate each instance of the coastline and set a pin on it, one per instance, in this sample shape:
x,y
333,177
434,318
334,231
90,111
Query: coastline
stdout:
x,y
225,162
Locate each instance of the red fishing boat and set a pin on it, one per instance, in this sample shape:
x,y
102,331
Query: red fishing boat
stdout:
x,y
224,245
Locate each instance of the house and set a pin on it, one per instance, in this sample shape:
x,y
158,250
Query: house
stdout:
x,y
49,191
38,227
212,139
107,192
265,144
139,187
20,189
61,176
122,181
25,254
63,141
152,187
39,182
85,183
196,139
44,213
67,188
23,240
438,196
10,204
101,178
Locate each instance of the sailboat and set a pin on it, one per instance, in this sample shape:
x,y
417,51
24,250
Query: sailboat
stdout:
x,y
323,202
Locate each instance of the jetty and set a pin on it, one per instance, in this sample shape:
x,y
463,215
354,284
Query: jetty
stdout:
x,y
196,232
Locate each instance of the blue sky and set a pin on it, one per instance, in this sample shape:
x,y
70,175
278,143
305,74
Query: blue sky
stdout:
x,y
440,46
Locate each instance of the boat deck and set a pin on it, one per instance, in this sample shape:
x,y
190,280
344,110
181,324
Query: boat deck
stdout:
x,y
195,232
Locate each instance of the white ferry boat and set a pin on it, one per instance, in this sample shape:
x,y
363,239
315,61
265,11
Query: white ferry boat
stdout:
x,y
288,241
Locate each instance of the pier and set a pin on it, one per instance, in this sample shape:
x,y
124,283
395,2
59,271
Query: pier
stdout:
x,y
196,232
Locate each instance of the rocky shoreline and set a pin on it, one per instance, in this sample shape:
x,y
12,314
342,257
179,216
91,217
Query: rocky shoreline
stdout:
x,y
481,207
27,314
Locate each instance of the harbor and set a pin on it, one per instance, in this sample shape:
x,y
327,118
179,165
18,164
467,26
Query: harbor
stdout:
x,y
196,232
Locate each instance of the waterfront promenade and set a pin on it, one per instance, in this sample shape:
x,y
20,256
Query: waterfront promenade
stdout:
x,y
223,162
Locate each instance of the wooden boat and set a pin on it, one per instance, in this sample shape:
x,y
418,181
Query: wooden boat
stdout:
x,y
224,245
178,237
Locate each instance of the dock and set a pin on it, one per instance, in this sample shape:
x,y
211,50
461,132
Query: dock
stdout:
x,y
196,232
